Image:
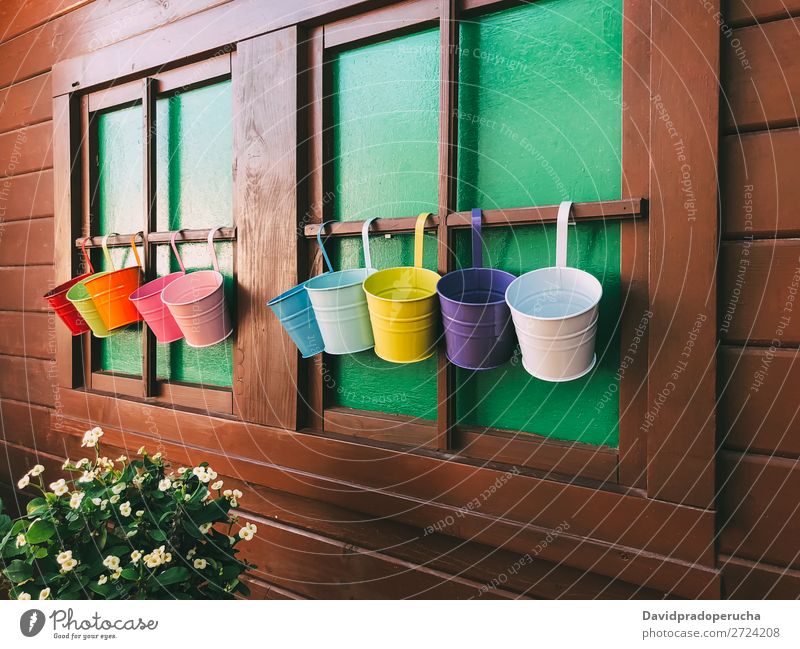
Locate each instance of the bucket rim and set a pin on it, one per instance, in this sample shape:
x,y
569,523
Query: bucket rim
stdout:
x,y
564,379
287,294
64,287
214,273
406,300
562,317
478,304
83,283
152,283
322,289
396,362
216,342
109,273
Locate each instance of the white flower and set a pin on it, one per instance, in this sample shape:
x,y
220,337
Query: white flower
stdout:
x,y
64,556
139,513
96,501
66,464
122,458
182,470
157,456
76,499
118,488
200,564
44,593
135,556
82,461
111,562
101,580
23,596
138,481
191,553
114,499
237,494
247,532
87,476
204,528
199,471
227,493
167,557
217,485
125,508
68,565
164,484
59,487
212,475
37,470
234,502
116,573
91,437
24,481
140,451
20,540
187,497
103,504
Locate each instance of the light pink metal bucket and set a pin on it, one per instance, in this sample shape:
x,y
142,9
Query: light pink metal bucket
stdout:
x,y
147,300
197,302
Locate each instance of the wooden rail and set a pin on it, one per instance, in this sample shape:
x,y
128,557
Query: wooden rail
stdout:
x,y
187,236
631,208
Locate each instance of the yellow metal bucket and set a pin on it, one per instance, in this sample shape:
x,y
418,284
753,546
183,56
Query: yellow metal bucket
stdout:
x,y
404,307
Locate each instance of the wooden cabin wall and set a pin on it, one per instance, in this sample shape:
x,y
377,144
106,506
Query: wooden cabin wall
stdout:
x,y
759,316
305,548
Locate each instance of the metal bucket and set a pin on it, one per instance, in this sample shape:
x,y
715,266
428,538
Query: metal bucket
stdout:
x,y
110,291
197,302
147,300
293,309
555,314
477,322
340,305
403,307
64,309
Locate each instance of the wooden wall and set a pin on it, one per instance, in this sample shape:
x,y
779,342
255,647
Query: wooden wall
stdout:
x,y
759,314
305,548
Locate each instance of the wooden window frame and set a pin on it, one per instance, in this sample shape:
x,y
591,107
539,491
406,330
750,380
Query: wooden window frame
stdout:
x,y
623,465
674,460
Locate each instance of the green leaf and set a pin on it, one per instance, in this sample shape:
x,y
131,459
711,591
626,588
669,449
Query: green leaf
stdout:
x,y
37,506
40,553
173,575
40,531
5,522
242,588
191,529
157,535
18,571
131,574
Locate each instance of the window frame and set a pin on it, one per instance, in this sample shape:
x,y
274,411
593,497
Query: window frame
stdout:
x,y
625,464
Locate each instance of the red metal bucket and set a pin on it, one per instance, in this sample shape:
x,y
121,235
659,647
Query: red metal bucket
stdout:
x,y
64,309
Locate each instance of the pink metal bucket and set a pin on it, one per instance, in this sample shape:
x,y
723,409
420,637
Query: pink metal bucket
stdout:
x,y
197,302
147,300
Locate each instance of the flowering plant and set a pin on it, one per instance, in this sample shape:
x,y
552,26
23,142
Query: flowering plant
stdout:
x,y
129,529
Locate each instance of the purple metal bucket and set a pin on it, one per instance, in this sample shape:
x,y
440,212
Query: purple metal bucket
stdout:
x,y
478,331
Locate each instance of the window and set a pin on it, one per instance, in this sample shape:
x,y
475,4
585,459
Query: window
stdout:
x,y
192,188
537,119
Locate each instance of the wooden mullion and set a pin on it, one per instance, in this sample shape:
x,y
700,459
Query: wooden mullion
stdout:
x,y
87,141
149,94
448,87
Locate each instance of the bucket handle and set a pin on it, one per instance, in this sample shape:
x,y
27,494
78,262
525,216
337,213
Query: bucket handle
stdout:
x,y
106,254
172,243
322,247
365,241
133,247
419,238
211,234
562,221
477,239
86,254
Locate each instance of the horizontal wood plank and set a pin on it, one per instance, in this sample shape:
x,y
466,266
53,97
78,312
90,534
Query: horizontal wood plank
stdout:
x,y
26,424
742,579
759,281
747,12
758,411
24,286
27,196
759,188
20,16
27,334
26,243
26,103
32,380
394,18
761,90
382,427
26,149
759,511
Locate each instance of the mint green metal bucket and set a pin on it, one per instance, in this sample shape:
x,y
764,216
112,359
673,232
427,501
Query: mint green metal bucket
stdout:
x,y
340,305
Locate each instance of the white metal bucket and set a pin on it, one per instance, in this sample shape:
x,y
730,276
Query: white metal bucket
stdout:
x,y
340,304
555,314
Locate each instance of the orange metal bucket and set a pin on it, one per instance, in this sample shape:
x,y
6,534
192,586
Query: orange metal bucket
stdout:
x,y
111,291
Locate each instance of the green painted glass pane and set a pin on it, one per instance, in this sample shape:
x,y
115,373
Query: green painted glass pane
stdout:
x,y
195,190
119,209
385,122
540,121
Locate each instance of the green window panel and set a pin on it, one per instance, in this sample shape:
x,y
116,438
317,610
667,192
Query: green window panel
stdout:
x,y
385,122
540,121
195,190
